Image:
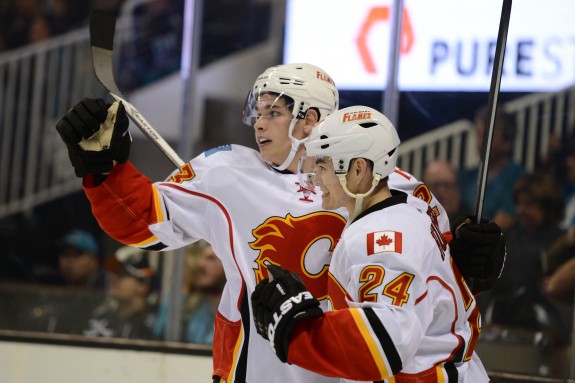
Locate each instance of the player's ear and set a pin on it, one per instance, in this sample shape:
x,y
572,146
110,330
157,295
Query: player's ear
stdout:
x,y
311,118
361,167
356,172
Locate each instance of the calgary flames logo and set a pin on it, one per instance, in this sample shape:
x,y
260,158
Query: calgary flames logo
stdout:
x,y
302,244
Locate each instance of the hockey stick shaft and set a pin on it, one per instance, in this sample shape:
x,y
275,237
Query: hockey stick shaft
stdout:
x,y
102,30
492,106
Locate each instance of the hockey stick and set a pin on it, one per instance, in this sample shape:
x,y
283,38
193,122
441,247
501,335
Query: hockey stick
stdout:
x,y
492,106
102,30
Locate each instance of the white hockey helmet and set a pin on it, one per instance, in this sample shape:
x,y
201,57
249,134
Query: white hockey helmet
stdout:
x,y
356,132
305,85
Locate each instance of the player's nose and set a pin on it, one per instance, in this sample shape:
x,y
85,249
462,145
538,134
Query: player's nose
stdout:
x,y
259,124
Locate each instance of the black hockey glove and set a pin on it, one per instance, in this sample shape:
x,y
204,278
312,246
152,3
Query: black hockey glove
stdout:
x,y
278,305
478,251
96,135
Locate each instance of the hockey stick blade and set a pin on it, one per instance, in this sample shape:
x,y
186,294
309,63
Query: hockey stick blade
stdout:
x,y
102,30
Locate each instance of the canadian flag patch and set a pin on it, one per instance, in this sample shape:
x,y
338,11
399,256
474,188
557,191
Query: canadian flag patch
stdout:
x,y
383,242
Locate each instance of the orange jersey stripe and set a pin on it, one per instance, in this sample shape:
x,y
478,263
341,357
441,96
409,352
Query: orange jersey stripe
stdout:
x,y
371,343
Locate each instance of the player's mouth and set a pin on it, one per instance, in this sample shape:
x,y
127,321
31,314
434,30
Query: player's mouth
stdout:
x,y
263,141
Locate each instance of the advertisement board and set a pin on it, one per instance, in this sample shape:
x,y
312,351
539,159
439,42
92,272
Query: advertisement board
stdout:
x,y
446,45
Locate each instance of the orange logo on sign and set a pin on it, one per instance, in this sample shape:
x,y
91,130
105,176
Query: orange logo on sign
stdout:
x,y
377,15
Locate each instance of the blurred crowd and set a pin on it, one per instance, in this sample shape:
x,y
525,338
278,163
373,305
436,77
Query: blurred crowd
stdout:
x,y
150,50
24,22
125,294
532,303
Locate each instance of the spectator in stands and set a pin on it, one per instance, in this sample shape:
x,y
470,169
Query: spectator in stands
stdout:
x,y
564,249
517,298
204,281
561,283
441,178
66,15
502,172
80,263
79,285
17,21
40,29
28,21
129,310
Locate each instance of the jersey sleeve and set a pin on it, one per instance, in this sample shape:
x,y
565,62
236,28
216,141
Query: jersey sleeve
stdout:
x,y
166,215
125,205
356,343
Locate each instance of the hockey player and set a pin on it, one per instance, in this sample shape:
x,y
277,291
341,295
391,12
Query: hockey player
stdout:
x,y
400,309
250,206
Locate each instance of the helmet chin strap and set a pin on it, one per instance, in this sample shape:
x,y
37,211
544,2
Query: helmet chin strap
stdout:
x,y
295,143
358,197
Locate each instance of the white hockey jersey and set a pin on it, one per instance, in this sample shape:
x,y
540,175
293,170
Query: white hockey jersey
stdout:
x,y
251,214
401,312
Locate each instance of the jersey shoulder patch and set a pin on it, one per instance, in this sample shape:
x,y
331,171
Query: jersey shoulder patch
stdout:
x,y
221,148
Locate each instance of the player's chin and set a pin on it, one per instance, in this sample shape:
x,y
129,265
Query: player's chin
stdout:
x,y
267,155
327,203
